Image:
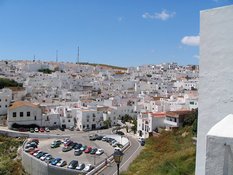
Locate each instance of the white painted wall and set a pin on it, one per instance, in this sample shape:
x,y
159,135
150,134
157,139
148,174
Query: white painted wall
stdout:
x,y
219,154
216,74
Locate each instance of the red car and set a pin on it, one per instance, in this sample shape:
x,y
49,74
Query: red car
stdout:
x,y
88,149
41,129
33,151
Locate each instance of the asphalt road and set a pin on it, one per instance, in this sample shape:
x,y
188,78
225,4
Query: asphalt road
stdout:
x,y
128,157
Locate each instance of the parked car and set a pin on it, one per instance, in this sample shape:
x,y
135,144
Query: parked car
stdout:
x,y
143,143
34,151
67,148
62,129
80,167
29,149
32,144
92,137
105,138
88,149
62,163
99,151
77,152
66,140
93,151
112,142
36,130
88,168
71,128
32,130
55,161
49,158
44,157
38,156
68,143
78,146
41,129
56,144
34,140
73,164
120,133
99,137
83,147
47,129
141,139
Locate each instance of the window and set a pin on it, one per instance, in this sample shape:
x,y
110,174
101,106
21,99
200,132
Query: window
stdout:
x,y
28,114
21,114
68,120
87,120
0,99
35,118
0,106
6,106
5,100
14,114
93,119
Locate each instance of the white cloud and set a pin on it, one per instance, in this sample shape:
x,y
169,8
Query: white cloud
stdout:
x,y
163,15
191,40
196,56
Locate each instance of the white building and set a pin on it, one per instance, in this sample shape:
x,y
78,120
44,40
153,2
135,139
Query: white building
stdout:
x,y
5,100
147,122
24,113
89,118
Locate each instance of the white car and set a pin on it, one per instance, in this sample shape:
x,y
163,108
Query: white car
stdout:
x,y
35,154
47,129
99,151
88,168
44,157
62,163
36,130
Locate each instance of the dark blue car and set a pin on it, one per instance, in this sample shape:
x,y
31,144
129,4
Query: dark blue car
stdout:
x,y
55,161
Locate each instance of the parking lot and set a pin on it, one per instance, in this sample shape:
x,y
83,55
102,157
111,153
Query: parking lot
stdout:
x,y
83,138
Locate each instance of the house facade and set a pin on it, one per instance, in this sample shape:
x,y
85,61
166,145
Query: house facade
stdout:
x,y
5,100
24,113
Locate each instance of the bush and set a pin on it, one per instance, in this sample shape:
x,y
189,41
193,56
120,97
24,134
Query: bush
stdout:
x,y
4,82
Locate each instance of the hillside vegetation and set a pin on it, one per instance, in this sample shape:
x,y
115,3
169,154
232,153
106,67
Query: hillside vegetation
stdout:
x,y
5,82
104,65
172,153
8,152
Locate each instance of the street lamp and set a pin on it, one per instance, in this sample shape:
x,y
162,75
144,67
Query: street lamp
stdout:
x,y
118,155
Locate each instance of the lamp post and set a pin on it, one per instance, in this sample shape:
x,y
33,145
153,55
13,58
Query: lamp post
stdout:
x,y
118,155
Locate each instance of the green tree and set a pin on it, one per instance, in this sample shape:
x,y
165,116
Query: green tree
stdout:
x,y
107,123
134,127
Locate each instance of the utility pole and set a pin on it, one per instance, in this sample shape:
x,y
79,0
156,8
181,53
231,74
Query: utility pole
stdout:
x,y
34,58
56,55
78,56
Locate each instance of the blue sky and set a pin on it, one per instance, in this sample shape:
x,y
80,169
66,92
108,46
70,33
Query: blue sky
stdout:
x,y
117,32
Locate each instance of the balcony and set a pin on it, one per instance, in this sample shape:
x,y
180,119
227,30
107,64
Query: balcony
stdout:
x,y
171,123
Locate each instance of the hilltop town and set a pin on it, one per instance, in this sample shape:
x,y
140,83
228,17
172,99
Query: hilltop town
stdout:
x,y
89,97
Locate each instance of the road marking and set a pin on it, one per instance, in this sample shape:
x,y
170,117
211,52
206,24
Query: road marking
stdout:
x,y
129,157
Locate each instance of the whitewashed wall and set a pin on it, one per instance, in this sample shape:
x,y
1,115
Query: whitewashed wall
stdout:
x,y
216,74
